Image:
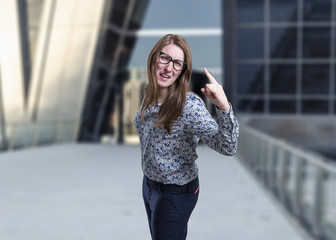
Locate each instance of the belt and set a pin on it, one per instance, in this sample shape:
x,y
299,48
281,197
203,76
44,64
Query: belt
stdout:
x,y
192,186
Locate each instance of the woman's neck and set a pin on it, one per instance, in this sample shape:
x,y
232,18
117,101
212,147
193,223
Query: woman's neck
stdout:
x,y
162,94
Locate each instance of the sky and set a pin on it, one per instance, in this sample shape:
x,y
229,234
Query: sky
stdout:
x,y
179,16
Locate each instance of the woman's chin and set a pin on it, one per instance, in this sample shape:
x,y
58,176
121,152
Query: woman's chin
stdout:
x,y
163,84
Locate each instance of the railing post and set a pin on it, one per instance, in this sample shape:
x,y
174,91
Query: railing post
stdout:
x,y
281,175
299,175
284,176
269,157
318,202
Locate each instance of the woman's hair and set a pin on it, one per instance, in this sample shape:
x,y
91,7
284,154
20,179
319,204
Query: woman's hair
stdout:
x,y
172,107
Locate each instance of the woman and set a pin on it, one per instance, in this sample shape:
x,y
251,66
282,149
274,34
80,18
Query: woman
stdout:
x,y
170,122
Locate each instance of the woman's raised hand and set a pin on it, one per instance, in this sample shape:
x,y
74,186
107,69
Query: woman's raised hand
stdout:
x,y
215,92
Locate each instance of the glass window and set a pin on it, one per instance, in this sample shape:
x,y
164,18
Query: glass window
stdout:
x,y
251,105
110,45
315,79
316,42
282,106
283,42
138,14
129,42
34,10
34,13
317,10
250,79
283,10
283,79
250,42
118,13
250,11
123,59
314,106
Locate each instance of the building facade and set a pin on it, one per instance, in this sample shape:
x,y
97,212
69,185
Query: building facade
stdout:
x,y
61,63
280,66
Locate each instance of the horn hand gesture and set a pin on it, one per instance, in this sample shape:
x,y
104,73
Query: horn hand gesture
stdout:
x,y
215,92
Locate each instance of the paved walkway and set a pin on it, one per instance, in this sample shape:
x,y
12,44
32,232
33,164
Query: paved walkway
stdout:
x,y
88,191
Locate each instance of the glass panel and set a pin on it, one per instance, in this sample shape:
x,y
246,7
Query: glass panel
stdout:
x,y
252,105
283,10
250,42
3,134
250,11
23,135
315,79
250,78
34,13
283,42
3,138
314,106
66,132
282,106
123,59
129,42
118,14
316,42
274,166
278,170
110,45
291,170
46,133
317,10
283,79
329,207
138,14
307,198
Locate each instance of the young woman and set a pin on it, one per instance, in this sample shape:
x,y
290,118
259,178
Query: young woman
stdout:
x,y
170,122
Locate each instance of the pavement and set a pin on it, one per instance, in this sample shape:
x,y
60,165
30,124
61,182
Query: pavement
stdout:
x,y
93,191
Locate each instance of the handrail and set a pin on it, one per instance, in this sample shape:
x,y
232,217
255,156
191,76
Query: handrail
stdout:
x,y
303,181
309,155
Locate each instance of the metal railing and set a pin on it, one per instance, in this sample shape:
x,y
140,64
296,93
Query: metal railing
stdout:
x,y
303,181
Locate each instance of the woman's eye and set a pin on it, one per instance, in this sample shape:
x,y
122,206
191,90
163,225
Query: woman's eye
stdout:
x,y
165,58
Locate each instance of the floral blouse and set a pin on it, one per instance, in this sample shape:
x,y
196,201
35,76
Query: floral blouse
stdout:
x,y
169,158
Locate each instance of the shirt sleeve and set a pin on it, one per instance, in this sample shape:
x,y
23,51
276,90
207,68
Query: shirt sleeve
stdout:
x,y
221,136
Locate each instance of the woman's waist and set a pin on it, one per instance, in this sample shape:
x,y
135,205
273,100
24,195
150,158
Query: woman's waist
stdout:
x,y
191,186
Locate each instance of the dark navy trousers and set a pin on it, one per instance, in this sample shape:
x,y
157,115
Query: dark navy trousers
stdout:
x,y
169,207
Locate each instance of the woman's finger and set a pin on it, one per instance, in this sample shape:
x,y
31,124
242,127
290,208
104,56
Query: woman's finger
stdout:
x,y
210,77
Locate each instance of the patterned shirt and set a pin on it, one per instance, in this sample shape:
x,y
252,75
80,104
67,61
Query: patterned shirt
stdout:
x,y
169,158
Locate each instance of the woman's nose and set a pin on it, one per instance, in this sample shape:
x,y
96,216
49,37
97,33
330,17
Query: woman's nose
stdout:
x,y
169,66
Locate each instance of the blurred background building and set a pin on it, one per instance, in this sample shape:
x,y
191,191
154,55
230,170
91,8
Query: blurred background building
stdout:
x,y
74,71
63,64
280,68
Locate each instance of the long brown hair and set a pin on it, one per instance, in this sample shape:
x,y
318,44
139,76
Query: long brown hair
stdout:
x,y
172,107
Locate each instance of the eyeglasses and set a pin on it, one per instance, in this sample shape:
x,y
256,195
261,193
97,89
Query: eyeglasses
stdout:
x,y
177,64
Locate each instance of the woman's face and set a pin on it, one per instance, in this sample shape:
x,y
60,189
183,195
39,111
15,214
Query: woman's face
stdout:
x,y
166,74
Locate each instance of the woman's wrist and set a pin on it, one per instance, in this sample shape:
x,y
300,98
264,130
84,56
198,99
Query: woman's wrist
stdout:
x,y
224,106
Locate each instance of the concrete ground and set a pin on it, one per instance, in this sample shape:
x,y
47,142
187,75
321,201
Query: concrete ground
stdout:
x,y
91,191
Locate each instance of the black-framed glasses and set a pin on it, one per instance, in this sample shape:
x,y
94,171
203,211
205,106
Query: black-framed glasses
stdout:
x,y
178,65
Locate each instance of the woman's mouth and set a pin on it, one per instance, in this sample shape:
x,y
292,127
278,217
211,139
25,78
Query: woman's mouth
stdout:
x,y
164,76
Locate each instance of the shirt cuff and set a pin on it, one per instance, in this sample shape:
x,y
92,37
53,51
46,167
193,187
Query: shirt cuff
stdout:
x,y
226,115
